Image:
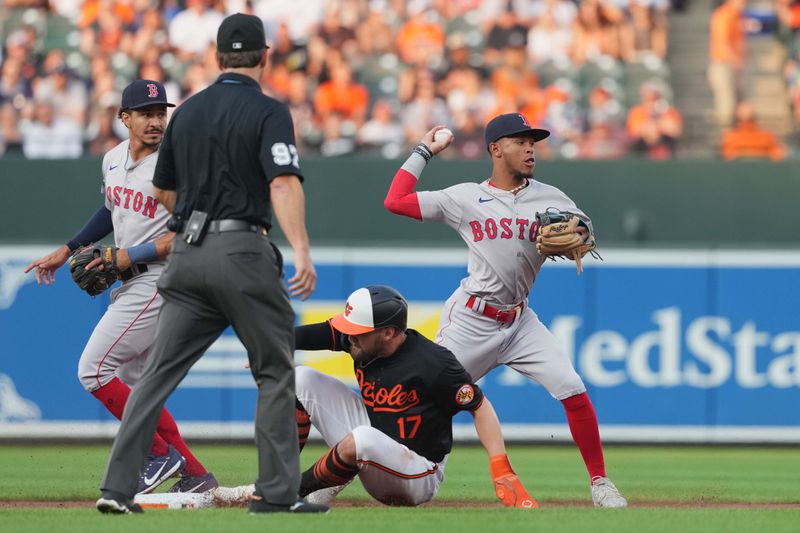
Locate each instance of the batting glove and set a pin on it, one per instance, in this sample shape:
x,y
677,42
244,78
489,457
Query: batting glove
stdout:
x,y
507,485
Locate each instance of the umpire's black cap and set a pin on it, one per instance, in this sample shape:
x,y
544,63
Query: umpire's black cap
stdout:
x,y
143,93
241,33
512,124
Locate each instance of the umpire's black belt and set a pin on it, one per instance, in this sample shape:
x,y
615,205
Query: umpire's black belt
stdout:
x,y
133,271
230,224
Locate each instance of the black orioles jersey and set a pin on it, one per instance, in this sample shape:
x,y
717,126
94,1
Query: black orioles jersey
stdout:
x,y
411,395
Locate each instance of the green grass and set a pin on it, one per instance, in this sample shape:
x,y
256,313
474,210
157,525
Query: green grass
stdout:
x,y
552,474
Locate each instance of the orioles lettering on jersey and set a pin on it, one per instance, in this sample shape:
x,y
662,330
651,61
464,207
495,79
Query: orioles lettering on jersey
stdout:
x,y
394,400
130,199
505,228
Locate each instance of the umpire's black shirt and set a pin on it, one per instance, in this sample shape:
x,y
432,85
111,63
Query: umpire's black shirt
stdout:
x,y
230,140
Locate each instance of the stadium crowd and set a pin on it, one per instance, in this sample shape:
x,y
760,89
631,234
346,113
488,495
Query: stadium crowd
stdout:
x,y
358,75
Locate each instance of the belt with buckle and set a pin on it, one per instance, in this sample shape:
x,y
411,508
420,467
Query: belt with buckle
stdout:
x,y
133,271
230,224
507,316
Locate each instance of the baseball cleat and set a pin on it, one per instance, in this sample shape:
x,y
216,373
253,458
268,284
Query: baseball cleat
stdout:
x,y
606,494
113,506
195,484
258,506
327,495
159,469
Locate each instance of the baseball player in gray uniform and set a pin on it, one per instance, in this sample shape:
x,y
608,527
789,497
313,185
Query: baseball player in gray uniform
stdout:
x,y
117,351
487,321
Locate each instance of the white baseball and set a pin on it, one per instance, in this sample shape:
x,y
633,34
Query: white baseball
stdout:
x,y
442,135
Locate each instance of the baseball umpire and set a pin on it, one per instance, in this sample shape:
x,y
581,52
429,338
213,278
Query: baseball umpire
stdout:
x,y
511,224
116,353
397,436
227,155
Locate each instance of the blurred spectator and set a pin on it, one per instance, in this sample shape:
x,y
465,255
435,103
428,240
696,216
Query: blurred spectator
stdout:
x,y
468,142
602,141
653,125
9,128
383,131
549,41
302,110
14,89
151,32
726,58
49,137
67,94
749,140
466,95
532,99
425,110
284,51
645,32
374,34
194,29
603,109
506,32
20,48
342,95
563,12
596,32
195,80
301,17
103,24
102,136
420,40
338,136
334,33
562,117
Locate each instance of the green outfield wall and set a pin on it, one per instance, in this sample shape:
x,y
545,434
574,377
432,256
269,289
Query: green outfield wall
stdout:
x,y
633,203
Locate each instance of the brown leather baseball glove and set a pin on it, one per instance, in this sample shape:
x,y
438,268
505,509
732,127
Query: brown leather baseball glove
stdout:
x,y
565,235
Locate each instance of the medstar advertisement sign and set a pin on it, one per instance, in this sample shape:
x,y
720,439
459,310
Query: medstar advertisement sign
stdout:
x,y
715,353
673,345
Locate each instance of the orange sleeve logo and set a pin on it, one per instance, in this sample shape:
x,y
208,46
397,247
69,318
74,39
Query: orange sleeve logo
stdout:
x,y
465,394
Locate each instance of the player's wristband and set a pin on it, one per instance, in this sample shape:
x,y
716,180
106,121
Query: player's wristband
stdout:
x,y
499,466
423,150
415,164
143,253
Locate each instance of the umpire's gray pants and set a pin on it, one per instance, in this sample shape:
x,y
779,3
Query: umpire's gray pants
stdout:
x,y
234,279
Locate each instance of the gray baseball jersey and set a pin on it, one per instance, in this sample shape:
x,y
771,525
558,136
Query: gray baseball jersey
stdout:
x,y
500,230
121,341
128,187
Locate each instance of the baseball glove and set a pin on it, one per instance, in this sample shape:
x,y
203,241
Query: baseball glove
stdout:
x,y
94,280
565,235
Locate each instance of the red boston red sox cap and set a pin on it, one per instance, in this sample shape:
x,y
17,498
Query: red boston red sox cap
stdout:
x,y
143,93
371,308
509,125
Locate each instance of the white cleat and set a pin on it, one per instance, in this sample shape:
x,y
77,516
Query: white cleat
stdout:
x,y
325,496
606,494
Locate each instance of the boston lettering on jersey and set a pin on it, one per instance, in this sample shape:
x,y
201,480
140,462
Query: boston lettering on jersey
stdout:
x,y
505,228
130,199
394,400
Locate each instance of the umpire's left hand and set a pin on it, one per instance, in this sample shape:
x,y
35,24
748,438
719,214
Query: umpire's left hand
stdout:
x,y
304,281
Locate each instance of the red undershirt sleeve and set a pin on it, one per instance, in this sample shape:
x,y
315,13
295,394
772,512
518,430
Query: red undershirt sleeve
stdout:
x,y
401,198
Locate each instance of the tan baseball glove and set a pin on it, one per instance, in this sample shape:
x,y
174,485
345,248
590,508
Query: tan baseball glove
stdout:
x,y
565,235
